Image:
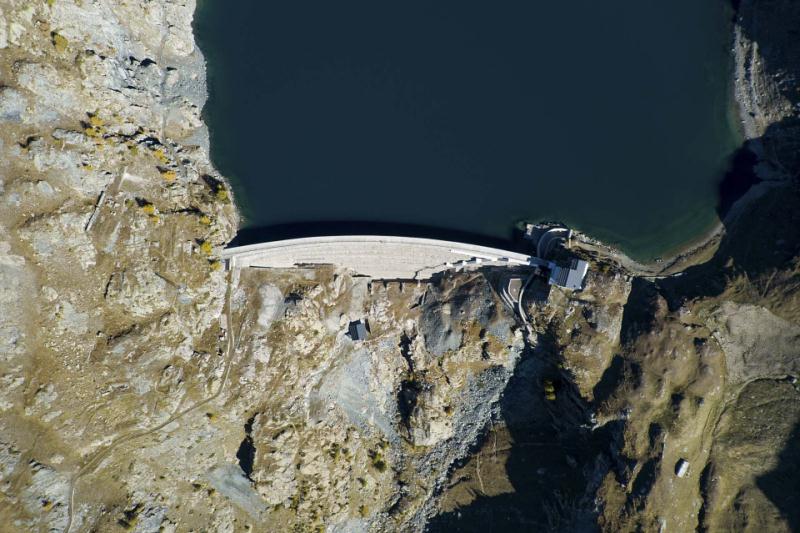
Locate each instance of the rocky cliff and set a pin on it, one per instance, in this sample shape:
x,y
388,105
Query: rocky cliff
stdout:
x,y
694,420
145,388
112,218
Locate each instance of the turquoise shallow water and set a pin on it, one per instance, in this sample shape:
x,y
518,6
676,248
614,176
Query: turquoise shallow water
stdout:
x,y
614,117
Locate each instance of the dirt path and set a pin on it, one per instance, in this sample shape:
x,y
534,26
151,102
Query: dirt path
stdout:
x,y
98,456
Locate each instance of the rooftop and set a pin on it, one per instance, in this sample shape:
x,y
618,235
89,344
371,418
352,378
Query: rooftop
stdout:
x,y
569,277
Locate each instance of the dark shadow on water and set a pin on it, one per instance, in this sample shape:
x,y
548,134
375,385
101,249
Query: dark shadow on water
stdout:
x,y
737,180
552,478
751,243
556,462
759,238
341,227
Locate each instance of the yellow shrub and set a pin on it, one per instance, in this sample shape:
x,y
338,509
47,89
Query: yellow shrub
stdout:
x,y
206,247
161,156
96,121
205,220
149,209
168,175
60,42
222,194
215,264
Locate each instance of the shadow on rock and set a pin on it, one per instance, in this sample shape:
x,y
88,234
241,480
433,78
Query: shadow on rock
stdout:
x,y
761,235
782,484
764,237
772,24
555,463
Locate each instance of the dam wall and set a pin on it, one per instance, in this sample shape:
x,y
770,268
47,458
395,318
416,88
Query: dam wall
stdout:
x,y
376,256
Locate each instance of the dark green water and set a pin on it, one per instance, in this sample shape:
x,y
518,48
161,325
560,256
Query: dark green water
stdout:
x,y
614,117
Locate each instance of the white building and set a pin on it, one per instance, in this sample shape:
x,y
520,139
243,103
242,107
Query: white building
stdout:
x,y
682,468
570,278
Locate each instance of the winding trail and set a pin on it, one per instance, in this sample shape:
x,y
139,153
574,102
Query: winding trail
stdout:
x,y
95,459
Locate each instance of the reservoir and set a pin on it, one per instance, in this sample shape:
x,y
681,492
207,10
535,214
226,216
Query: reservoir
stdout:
x,y
616,117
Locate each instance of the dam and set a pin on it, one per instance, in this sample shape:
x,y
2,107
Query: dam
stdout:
x,y
393,257
611,117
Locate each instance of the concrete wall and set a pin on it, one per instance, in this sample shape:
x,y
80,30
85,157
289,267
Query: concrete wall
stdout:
x,y
380,257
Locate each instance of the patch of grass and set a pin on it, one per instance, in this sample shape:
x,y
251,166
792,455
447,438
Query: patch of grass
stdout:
x,y
93,132
148,209
474,331
378,461
205,247
218,189
159,154
334,450
168,174
96,121
59,42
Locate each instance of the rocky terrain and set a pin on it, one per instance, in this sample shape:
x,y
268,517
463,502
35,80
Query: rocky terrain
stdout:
x,y
144,388
112,216
703,380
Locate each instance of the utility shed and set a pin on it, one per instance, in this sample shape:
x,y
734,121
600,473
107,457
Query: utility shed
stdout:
x,y
681,468
358,330
569,277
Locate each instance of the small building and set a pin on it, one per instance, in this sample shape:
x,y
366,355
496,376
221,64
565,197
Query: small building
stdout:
x,y
682,468
358,330
569,277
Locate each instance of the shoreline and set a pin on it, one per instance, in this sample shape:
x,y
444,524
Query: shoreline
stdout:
x,y
695,251
238,222
752,121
